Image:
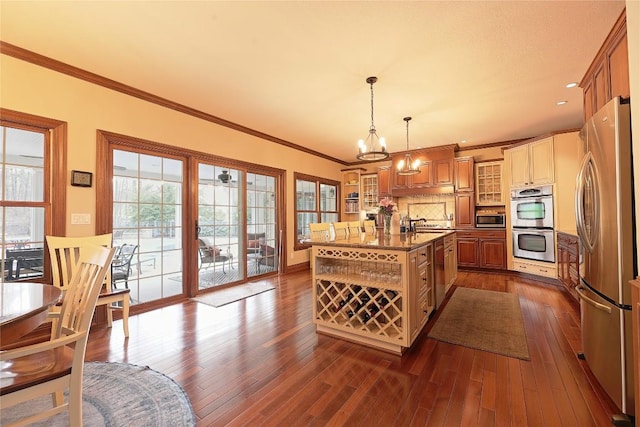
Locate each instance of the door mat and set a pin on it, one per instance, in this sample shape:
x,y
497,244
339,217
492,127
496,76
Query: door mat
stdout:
x,y
225,296
484,320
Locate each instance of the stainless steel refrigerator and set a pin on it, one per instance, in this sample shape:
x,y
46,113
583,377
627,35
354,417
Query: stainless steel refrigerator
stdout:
x,y
605,224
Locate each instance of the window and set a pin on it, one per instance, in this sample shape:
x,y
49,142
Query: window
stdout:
x,y
316,201
26,188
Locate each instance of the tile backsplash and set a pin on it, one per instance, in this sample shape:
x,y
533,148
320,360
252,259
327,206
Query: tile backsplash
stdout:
x,y
432,207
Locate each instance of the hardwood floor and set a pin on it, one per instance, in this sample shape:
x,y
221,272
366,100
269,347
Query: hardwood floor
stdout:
x,y
260,362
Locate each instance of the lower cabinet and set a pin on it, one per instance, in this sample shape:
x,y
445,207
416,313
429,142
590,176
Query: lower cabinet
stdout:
x,y
568,262
485,249
538,268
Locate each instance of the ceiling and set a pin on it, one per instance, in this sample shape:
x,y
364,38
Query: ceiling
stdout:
x,y
480,71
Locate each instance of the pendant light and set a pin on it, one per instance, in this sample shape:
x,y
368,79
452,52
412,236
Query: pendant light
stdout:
x,y
225,177
374,148
408,166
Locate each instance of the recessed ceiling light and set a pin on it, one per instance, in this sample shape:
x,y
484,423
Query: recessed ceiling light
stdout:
x,y
561,102
463,141
572,84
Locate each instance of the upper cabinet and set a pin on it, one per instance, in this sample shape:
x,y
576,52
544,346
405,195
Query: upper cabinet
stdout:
x,y
489,183
608,75
369,191
384,181
463,174
531,164
436,172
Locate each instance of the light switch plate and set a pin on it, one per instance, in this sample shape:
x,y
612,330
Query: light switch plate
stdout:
x,y
80,218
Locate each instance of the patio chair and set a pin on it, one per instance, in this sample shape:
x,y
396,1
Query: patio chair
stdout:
x,y
121,267
267,257
210,255
51,367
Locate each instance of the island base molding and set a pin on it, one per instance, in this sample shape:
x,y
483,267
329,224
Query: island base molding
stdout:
x,y
395,349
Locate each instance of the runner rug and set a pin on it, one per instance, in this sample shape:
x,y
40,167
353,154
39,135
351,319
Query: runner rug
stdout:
x,y
485,320
118,394
225,296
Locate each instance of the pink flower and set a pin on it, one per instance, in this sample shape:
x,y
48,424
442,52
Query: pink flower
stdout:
x,y
387,207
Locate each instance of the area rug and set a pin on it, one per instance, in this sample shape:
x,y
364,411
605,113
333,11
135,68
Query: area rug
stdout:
x,y
485,320
235,293
118,394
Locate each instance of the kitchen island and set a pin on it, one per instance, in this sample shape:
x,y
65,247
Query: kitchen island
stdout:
x,y
376,290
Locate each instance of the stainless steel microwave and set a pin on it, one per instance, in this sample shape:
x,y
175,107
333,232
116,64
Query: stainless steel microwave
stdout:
x,y
490,220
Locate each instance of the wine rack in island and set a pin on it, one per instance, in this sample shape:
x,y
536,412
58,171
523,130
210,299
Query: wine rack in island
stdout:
x,y
366,295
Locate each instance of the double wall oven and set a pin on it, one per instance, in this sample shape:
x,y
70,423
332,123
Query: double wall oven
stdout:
x,y
532,223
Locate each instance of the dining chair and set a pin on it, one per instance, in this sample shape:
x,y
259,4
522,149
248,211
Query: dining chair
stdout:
x,y
50,367
341,229
354,228
64,252
369,226
319,230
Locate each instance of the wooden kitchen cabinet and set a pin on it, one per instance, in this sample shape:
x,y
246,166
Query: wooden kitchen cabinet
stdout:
x,y
384,182
369,191
443,171
467,250
608,74
486,249
463,173
405,182
568,262
436,172
531,163
489,183
465,210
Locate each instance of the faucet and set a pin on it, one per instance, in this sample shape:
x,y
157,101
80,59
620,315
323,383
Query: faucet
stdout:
x,y
412,226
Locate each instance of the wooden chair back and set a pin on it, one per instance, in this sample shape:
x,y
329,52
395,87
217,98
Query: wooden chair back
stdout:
x,y
319,230
341,229
51,367
64,253
369,226
354,228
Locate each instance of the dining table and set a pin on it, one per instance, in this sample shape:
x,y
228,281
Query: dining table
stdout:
x,y
23,307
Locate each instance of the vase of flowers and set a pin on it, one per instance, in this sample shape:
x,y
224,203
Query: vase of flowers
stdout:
x,y
387,208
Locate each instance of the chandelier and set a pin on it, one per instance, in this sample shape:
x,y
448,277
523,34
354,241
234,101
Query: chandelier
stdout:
x,y
408,166
368,150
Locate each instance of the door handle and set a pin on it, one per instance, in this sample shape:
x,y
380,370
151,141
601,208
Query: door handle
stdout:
x,y
583,297
587,240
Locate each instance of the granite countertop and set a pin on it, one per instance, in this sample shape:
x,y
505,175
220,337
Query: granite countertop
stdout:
x,y
402,242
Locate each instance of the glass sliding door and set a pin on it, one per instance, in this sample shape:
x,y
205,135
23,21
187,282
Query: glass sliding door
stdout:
x,y
148,225
219,225
262,241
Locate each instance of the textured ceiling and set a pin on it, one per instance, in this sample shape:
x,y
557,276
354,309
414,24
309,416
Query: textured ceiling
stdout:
x,y
477,71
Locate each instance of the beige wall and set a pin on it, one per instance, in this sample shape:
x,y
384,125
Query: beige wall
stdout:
x,y
86,107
